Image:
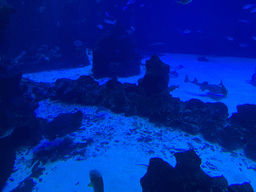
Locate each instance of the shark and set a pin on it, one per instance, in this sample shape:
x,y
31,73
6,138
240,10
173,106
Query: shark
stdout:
x,y
212,88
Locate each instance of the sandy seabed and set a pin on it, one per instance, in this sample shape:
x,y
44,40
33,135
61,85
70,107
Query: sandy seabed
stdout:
x,y
121,144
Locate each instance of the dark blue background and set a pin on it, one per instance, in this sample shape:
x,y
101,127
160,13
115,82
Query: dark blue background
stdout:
x,y
157,21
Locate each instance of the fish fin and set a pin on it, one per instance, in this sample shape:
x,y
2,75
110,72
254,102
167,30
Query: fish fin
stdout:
x,y
195,81
89,185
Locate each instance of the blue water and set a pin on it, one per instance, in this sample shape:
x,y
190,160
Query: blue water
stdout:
x,y
59,33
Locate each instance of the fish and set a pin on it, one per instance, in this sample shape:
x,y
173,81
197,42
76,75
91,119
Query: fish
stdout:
x,y
254,37
174,74
156,43
243,44
230,38
78,43
183,2
243,21
112,22
187,31
173,87
212,88
253,10
202,59
96,181
248,6
107,14
100,26
179,67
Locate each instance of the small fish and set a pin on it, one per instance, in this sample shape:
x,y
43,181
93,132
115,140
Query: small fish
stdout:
x,y
243,21
183,2
248,6
202,59
107,14
187,31
173,87
124,8
156,43
174,74
100,26
179,67
130,2
230,38
96,181
112,22
78,43
243,44
253,10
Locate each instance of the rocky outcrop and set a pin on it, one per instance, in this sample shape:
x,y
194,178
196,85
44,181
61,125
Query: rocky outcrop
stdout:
x,y
186,176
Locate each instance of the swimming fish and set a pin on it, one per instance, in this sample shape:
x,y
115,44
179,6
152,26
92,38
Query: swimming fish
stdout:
x,y
213,89
248,6
230,38
78,43
112,22
173,87
184,2
96,181
253,10
174,74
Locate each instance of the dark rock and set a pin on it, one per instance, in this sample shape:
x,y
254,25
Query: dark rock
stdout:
x,y
187,176
7,158
246,116
113,96
204,118
10,87
63,124
233,137
37,91
156,78
83,90
245,187
250,149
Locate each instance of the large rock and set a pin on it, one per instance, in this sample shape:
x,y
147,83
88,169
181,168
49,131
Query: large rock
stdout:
x,y
156,78
186,176
63,124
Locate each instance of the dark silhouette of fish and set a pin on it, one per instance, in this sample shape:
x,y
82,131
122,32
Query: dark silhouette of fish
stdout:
x,y
96,181
202,59
174,74
173,87
253,80
212,88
